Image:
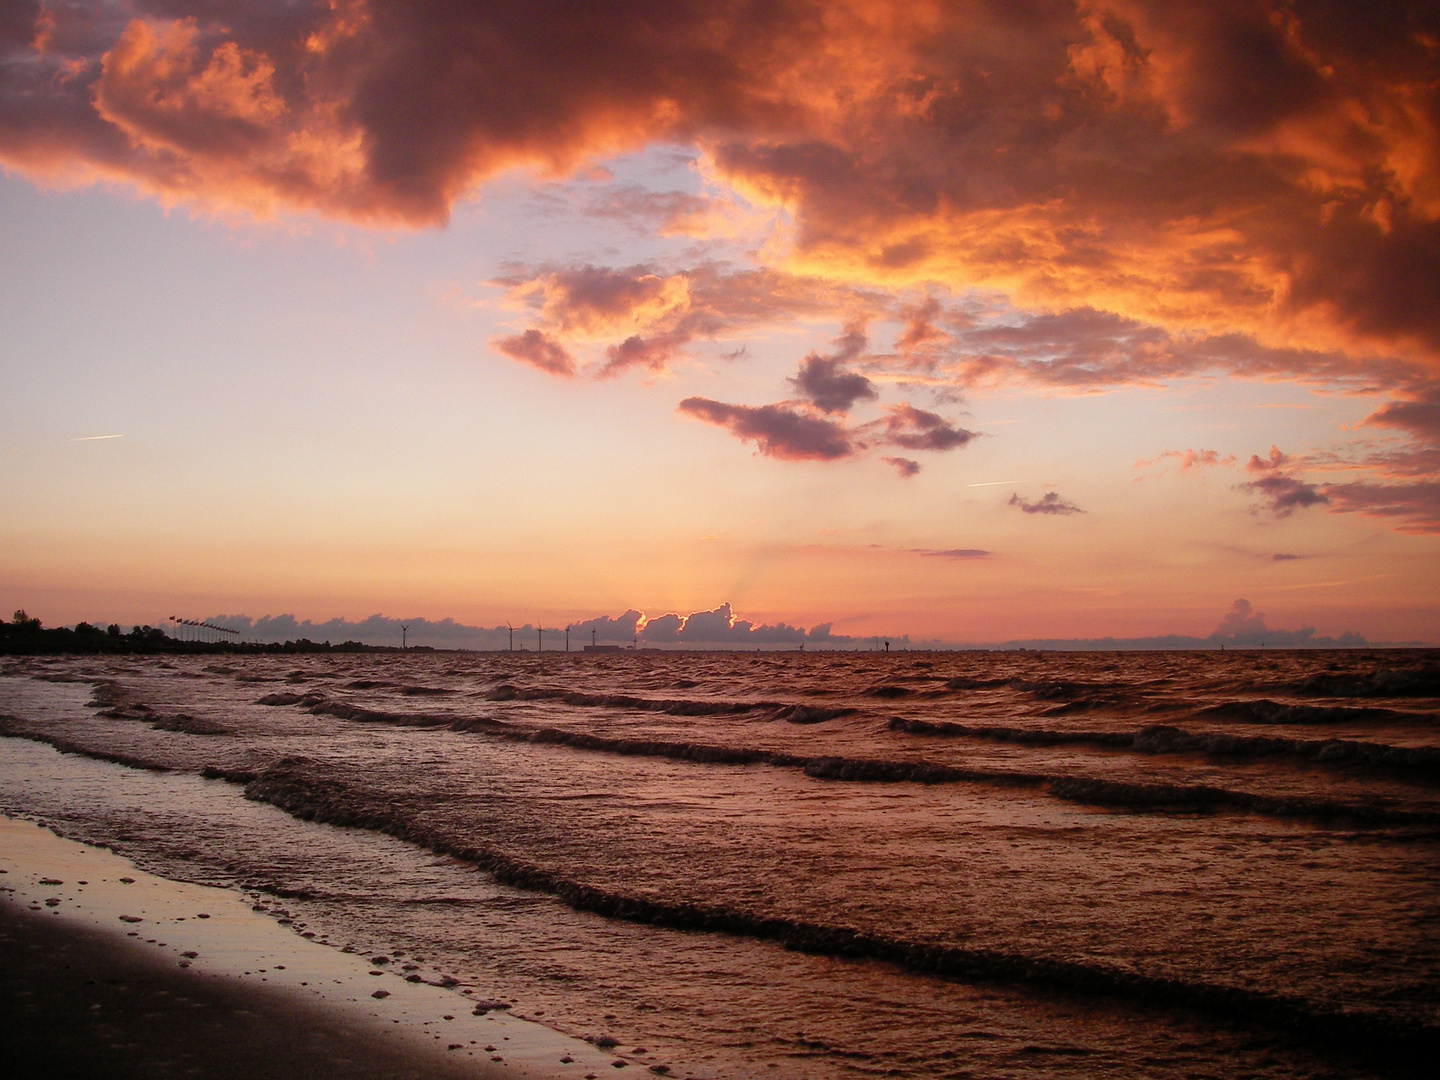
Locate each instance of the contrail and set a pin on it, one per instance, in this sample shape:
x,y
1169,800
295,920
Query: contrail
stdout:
x,y
996,483
92,438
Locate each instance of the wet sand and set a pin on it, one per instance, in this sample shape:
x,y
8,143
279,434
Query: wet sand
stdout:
x,y
108,971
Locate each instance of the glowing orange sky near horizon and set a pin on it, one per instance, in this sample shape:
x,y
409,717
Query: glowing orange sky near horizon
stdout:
x,y
547,311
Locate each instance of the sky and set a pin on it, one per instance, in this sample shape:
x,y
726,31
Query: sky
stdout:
x,y
966,322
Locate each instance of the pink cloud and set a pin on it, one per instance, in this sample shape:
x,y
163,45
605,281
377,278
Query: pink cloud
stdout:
x,y
536,349
904,466
1277,484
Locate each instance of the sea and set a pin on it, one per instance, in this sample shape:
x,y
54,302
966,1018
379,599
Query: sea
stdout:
x,y
808,865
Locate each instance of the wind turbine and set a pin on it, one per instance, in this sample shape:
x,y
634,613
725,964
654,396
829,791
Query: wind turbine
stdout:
x,y
512,634
567,639
403,631
540,633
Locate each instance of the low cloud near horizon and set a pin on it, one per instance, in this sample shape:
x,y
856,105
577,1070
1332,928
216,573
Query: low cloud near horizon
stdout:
x,y
720,627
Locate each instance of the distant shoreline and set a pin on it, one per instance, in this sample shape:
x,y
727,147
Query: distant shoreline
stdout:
x,y
66,642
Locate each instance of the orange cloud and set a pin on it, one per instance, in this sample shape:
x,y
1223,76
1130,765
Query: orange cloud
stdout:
x,y
539,351
1253,166
1186,461
1158,190
1276,482
647,318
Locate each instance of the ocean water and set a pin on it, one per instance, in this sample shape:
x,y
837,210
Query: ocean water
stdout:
x,y
810,865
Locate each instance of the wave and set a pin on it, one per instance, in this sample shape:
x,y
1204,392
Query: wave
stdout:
x,y
1004,733
189,725
888,691
15,728
1071,696
1204,798
302,789
673,706
280,699
1124,794
811,714
320,705
1086,791
975,684
795,714
1419,680
1416,762
1163,739
1266,711
115,702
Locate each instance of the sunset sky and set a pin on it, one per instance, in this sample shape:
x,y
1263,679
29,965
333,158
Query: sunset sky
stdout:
x,y
967,321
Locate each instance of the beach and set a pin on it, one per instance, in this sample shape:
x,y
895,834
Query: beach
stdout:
x,y
113,971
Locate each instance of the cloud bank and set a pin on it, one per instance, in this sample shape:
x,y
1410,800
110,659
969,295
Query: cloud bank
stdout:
x,y
1156,190
1256,166
720,628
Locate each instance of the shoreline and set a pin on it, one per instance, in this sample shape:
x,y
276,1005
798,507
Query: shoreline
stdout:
x,y
109,967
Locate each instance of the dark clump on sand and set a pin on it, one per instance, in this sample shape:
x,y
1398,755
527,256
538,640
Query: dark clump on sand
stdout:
x,y
75,1003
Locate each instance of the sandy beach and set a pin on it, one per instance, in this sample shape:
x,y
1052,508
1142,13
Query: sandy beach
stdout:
x,y
111,971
